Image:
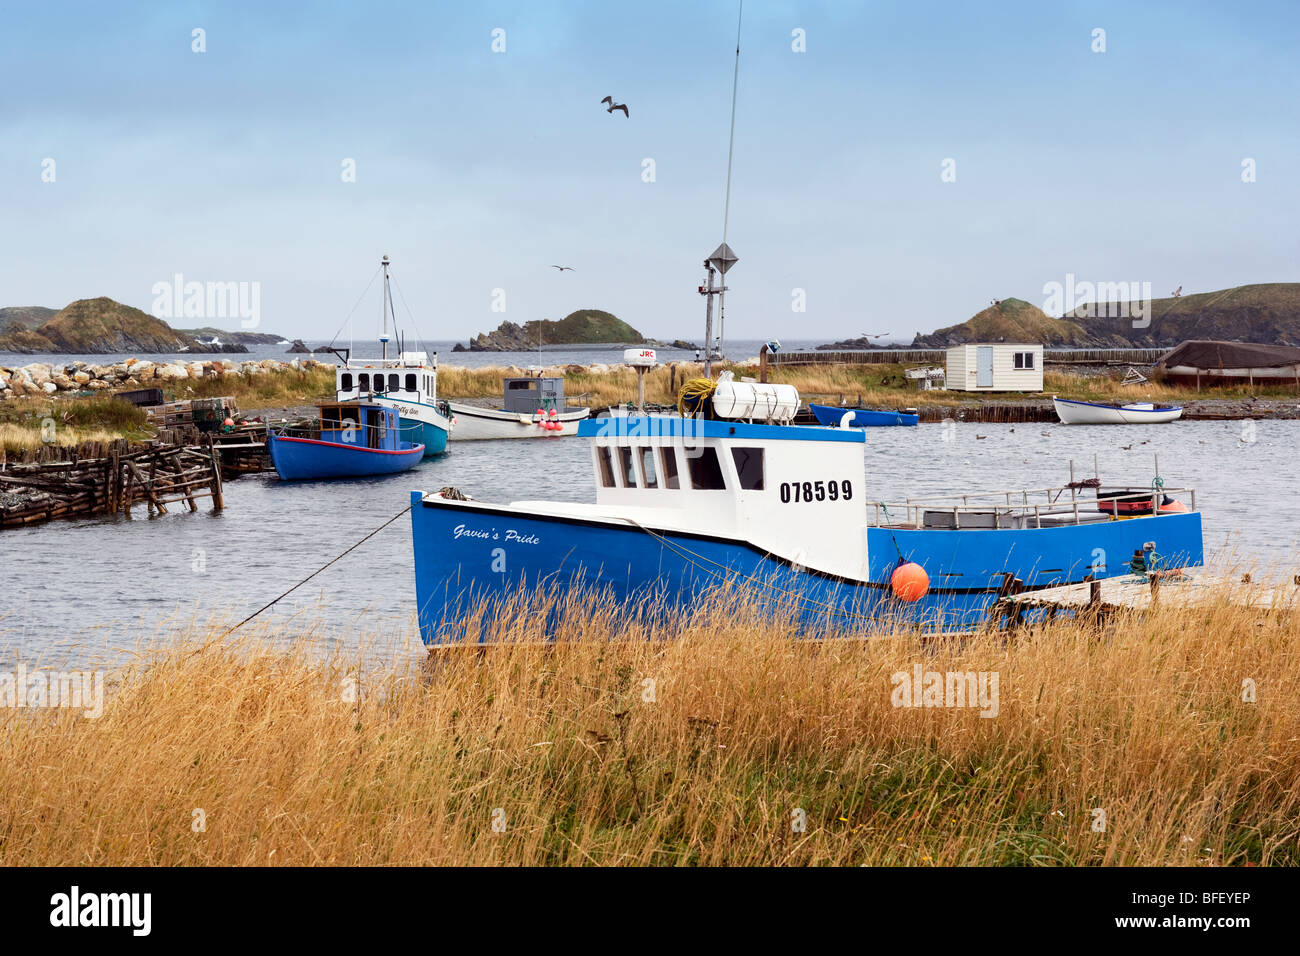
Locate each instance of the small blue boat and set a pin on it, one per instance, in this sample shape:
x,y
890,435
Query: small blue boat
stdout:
x,y
860,417
350,440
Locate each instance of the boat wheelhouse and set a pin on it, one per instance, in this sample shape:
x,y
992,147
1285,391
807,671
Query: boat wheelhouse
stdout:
x,y
532,407
348,440
686,504
408,384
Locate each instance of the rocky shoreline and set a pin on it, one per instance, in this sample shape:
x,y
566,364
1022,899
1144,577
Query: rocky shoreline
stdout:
x,y
40,379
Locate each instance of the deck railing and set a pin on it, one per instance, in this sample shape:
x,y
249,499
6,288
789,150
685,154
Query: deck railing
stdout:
x,y
1018,508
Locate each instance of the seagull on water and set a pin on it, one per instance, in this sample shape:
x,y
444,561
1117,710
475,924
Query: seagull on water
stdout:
x,y
615,106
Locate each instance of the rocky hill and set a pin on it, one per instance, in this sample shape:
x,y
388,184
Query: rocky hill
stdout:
x,y
16,317
1009,320
1266,313
583,327
102,326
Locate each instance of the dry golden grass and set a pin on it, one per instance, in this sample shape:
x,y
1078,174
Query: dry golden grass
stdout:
x,y
563,749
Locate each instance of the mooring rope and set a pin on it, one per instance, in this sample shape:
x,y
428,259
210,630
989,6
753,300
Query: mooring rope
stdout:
x,y
319,570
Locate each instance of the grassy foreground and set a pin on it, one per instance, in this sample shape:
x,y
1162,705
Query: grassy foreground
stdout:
x,y
1129,747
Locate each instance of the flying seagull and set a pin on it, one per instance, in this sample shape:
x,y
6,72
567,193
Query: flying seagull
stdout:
x,y
615,106
1178,292
565,268
868,335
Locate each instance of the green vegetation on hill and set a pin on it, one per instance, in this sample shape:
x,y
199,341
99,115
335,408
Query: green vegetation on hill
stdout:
x,y
583,327
17,317
97,326
1268,313
1010,320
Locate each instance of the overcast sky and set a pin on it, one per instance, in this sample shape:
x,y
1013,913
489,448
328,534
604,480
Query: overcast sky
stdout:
x,y
476,170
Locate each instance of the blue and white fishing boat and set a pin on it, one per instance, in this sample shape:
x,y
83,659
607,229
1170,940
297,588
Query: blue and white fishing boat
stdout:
x,y
860,417
684,504
350,440
408,384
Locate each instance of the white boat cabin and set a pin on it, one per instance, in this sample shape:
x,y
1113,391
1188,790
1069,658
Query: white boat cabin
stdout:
x,y
784,489
411,377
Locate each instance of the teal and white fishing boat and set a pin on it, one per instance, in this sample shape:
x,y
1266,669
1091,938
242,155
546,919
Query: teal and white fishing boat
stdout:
x,y
408,384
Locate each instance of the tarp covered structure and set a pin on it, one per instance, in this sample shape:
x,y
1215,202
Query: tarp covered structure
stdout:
x,y
1215,355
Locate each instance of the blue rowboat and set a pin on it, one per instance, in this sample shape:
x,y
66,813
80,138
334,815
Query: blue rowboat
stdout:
x,y
685,505
860,417
350,440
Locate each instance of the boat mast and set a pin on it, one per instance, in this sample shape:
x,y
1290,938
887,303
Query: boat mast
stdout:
x,y
387,298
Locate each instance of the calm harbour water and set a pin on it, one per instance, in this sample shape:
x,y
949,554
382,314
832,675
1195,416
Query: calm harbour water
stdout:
x,y
77,590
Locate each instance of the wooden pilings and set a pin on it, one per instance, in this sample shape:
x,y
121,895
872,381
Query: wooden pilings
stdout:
x,y
97,480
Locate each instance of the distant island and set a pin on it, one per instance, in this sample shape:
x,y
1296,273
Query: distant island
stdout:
x,y
103,326
1266,313
583,327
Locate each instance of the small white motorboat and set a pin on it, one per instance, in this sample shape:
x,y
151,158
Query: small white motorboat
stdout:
x,y
533,407
1072,412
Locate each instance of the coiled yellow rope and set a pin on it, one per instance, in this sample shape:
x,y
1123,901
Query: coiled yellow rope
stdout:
x,y
694,392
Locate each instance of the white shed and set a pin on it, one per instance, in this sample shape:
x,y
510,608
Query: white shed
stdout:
x,y
995,367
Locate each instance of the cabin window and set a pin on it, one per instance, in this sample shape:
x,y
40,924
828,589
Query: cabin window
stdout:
x,y
520,384
629,471
668,458
330,418
606,468
648,468
345,382
410,381
749,466
706,471
1024,360
363,381
394,382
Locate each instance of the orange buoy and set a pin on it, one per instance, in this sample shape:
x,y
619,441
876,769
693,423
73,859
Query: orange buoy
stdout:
x,y
1175,506
909,582
229,422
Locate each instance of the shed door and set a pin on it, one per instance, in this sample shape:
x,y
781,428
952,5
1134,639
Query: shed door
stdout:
x,y
984,366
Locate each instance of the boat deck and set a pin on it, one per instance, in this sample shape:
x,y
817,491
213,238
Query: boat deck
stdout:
x,y
1026,508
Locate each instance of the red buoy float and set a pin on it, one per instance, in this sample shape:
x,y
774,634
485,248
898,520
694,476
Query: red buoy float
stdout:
x,y
909,582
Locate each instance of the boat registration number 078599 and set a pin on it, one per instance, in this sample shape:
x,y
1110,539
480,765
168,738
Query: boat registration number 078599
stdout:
x,y
804,491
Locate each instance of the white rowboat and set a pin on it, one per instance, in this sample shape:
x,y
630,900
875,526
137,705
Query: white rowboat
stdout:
x,y
1071,412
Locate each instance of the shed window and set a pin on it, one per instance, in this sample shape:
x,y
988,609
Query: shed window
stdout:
x,y
606,467
345,382
706,472
1024,360
749,465
410,381
648,468
668,458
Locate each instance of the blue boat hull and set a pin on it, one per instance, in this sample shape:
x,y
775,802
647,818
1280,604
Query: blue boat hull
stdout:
x,y
432,437
862,417
468,555
298,459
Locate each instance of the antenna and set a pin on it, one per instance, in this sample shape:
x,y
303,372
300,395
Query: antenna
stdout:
x,y
731,142
723,258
